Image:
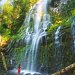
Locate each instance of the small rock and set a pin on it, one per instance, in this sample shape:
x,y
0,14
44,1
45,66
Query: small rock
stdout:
x,y
28,74
36,74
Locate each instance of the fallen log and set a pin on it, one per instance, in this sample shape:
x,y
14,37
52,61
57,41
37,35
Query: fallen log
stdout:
x,y
4,61
66,69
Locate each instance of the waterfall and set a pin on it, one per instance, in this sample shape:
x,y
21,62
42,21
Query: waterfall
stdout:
x,y
33,34
73,34
58,54
57,37
32,31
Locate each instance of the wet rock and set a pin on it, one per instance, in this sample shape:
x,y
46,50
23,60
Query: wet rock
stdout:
x,y
28,74
36,74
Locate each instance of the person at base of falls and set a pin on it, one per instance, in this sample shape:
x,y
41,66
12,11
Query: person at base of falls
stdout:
x,y
19,69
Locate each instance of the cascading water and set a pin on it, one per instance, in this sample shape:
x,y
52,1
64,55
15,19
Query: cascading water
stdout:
x,y
57,37
58,42
34,28
33,34
73,34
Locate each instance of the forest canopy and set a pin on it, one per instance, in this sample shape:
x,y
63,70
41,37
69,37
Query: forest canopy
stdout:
x,y
13,13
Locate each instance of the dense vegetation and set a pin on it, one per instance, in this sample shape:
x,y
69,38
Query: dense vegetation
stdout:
x,y
12,16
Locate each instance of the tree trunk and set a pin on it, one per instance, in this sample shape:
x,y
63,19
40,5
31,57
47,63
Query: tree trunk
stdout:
x,y
66,69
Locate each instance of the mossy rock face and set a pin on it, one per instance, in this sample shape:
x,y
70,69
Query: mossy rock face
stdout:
x,y
47,49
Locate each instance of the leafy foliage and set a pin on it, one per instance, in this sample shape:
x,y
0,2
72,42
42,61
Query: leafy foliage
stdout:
x,y
13,16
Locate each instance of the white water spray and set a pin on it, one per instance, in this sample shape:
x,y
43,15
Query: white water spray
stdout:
x,y
73,34
34,33
58,54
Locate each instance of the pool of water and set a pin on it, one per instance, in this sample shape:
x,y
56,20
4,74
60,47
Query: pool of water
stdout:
x,y
23,72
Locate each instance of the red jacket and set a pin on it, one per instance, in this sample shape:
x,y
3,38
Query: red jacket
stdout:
x,y
19,69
